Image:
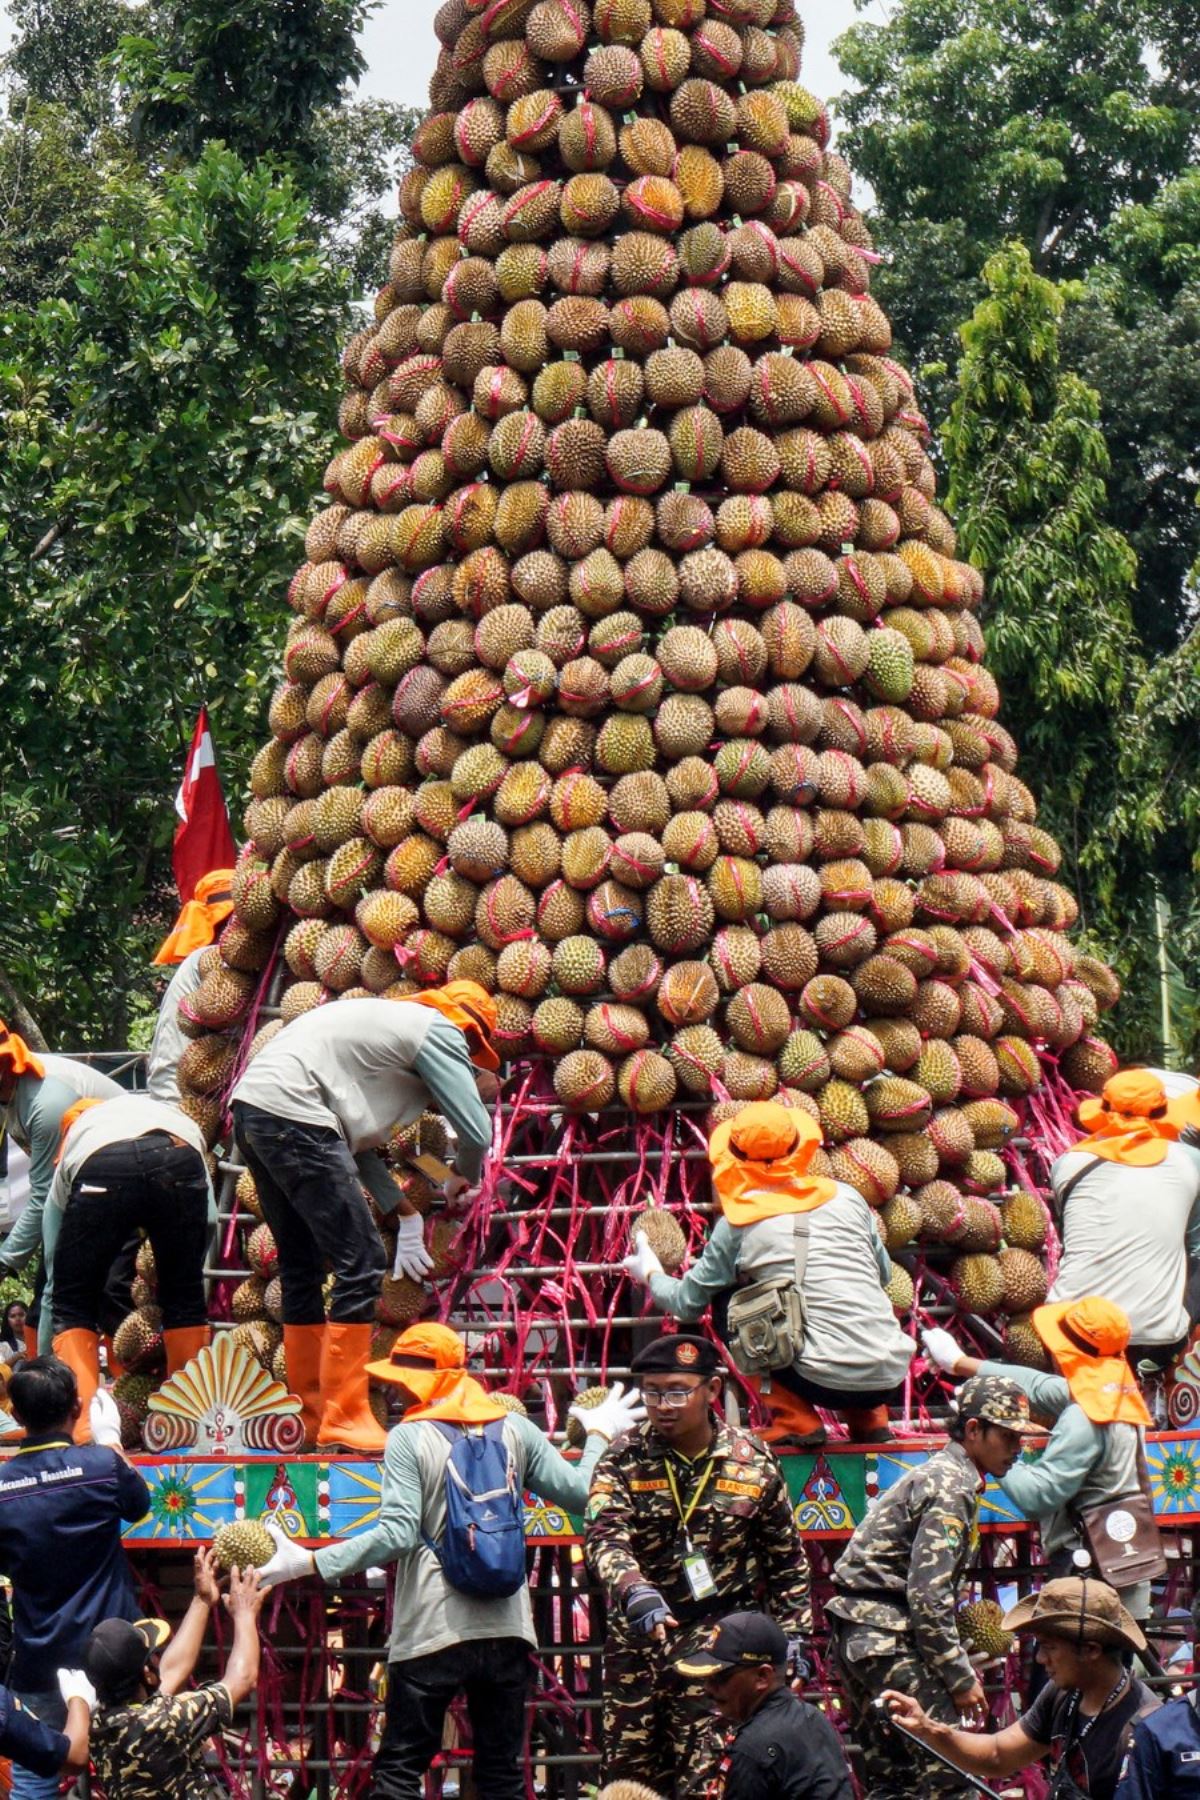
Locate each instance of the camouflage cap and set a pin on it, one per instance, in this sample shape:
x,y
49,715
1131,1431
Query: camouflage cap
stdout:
x,y
995,1399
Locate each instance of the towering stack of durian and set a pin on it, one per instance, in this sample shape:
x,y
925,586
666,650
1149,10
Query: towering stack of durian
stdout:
x,y
632,670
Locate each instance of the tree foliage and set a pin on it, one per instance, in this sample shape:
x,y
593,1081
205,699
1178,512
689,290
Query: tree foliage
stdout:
x,y
167,424
1100,728
1073,129
184,195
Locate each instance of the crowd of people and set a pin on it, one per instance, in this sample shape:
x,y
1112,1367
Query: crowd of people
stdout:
x,y
689,1532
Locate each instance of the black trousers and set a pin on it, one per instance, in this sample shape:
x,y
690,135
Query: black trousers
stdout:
x,y
148,1181
313,1200
493,1674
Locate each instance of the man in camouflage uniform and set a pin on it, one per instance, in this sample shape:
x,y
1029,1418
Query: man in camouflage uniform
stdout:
x,y
896,1587
688,1520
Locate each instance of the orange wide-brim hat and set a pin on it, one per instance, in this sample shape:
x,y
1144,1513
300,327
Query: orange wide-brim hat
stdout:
x,y
472,1009
16,1057
200,918
430,1361
759,1162
1130,1122
1088,1339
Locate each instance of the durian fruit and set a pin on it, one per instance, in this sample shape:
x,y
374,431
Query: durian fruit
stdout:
x,y
592,1396
978,1282
1023,1345
1024,1281
245,1544
138,1341
981,1630
262,1253
261,1337
1024,1220
665,1236
900,1290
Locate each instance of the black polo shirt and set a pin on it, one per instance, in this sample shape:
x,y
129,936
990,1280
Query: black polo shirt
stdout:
x,y
61,1507
786,1750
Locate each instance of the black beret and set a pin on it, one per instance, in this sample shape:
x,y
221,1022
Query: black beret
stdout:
x,y
677,1355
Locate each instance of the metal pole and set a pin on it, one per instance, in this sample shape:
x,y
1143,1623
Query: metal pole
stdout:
x,y
981,1787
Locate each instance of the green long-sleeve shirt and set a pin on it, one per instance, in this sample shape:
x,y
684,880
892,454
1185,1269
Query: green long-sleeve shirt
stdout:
x,y
1082,1465
852,1340
34,1118
428,1614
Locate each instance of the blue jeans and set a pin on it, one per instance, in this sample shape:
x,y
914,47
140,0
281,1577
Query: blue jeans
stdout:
x,y
51,1709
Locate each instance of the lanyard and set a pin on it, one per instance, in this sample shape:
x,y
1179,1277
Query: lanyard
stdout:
x,y
685,1513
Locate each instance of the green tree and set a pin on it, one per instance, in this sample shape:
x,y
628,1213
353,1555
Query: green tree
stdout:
x,y
166,426
1028,470
1073,129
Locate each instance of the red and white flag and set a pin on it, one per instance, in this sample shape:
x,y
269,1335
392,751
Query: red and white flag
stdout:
x,y
203,840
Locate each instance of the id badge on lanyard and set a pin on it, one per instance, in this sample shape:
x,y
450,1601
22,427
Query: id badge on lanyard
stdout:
x,y
693,1562
696,1571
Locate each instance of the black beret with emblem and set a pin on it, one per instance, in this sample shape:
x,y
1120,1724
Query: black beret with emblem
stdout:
x,y
677,1355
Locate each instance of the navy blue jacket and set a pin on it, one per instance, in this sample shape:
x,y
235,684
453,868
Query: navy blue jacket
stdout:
x,y
61,1507
34,1745
1164,1758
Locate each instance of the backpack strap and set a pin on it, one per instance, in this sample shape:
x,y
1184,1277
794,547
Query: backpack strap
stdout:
x,y
801,1245
1060,1200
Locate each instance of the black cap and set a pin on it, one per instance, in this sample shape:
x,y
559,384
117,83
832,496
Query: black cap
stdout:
x,y
744,1640
118,1651
677,1355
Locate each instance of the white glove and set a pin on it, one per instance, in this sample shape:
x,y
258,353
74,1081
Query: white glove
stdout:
x,y
618,1412
291,1562
941,1348
412,1258
73,1684
641,1263
105,1420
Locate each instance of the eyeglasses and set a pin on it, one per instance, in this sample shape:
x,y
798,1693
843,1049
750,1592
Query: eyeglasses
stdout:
x,y
672,1398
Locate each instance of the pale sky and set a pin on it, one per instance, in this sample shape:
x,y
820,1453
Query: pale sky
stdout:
x,y
401,49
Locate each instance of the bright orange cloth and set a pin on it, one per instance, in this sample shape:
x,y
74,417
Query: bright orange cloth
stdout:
x,y
21,1060
196,926
472,1009
1130,1123
439,1380
68,1119
759,1161
1088,1339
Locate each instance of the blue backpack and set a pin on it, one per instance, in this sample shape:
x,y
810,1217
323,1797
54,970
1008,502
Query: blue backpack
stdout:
x,y
482,1553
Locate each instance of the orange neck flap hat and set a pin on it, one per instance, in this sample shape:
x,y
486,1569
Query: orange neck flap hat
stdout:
x,y
202,915
430,1361
1130,1123
759,1161
16,1058
472,1009
1088,1339
68,1119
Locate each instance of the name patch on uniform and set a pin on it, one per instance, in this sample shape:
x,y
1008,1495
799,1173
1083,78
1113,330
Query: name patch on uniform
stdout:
x,y
650,1487
750,1489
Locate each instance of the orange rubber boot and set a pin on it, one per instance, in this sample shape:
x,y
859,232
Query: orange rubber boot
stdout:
x,y
867,1424
30,1334
115,1367
182,1343
794,1422
302,1354
80,1350
347,1421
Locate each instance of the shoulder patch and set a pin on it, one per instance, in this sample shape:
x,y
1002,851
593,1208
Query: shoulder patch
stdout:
x,y
596,1505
